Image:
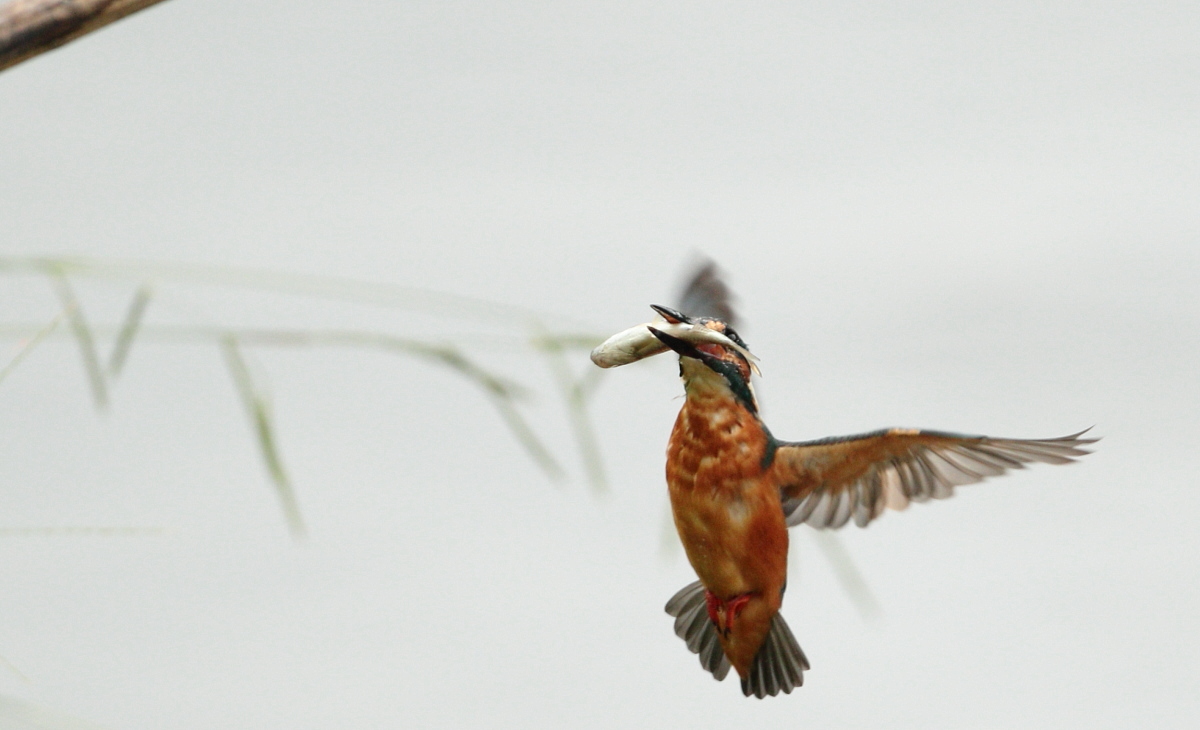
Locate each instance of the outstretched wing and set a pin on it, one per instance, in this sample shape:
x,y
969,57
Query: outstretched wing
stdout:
x,y
824,483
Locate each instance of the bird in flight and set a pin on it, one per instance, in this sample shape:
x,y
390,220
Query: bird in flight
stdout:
x,y
735,489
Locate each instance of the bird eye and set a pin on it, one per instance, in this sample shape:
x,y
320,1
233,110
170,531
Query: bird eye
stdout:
x,y
732,334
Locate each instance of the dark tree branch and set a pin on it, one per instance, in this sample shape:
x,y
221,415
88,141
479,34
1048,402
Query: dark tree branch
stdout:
x,y
31,27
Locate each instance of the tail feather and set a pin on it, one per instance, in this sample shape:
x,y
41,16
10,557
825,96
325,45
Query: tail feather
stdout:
x,y
694,627
779,665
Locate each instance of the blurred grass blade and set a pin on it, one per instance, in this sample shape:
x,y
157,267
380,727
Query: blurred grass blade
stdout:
x,y
31,343
527,438
847,574
83,335
260,415
585,435
308,285
588,383
581,392
573,393
502,395
129,329
575,341
80,531
13,668
19,714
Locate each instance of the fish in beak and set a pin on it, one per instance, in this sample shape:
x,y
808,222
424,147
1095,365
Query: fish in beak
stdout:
x,y
640,342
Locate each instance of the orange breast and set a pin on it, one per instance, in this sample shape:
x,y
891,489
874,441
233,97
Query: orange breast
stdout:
x,y
728,517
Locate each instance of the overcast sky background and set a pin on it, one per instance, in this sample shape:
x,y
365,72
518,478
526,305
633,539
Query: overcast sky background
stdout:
x,y
973,217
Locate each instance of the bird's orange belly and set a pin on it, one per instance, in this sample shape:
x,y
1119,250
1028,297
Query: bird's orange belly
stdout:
x,y
735,540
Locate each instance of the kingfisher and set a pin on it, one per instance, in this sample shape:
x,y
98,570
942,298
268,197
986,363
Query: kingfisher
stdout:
x,y
735,489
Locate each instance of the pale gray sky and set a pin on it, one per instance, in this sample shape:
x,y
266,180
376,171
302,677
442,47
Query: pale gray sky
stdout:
x,y
971,217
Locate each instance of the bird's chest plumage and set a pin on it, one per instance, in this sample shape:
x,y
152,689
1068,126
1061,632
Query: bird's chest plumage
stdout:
x,y
728,516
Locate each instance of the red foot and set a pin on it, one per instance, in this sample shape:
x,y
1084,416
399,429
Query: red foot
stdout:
x,y
722,613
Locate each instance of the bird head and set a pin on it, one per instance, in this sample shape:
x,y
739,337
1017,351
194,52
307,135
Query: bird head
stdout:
x,y
711,354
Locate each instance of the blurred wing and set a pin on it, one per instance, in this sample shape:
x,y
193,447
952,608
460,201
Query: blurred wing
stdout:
x,y
706,295
824,483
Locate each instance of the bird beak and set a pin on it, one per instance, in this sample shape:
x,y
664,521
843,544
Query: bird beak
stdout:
x,y
645,340
684,344
673,316
679,345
